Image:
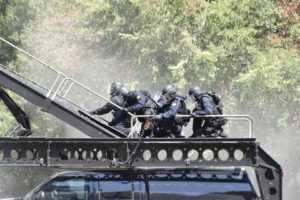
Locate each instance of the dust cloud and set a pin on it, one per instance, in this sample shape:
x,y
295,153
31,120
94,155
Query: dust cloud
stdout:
x,y
65,50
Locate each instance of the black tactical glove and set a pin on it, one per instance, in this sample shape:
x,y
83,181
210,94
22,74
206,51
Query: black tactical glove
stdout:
x,y
110,124
156,118
129,109
92,112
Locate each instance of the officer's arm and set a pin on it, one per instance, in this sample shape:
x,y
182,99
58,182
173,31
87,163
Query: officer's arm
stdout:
x,y
108,107
160,106
208,107
140,103
172,111
104,109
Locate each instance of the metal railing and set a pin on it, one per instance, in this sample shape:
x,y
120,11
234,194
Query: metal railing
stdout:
x,y
91,153
62,85
11,130
60,88
135,126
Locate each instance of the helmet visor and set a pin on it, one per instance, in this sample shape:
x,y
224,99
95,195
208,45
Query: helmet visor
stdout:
x,y
167,96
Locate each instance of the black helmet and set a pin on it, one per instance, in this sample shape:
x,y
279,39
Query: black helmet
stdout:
x,y
124,91
168,89
194,90
168,92
115,87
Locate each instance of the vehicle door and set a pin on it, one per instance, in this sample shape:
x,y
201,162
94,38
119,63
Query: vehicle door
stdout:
x,y
65,188
118,186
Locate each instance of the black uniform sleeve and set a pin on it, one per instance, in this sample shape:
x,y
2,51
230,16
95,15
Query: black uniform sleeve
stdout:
x,y
108,107
140,101
104,109
172,110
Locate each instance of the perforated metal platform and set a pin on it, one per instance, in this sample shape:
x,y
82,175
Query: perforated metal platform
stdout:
x,y
151,152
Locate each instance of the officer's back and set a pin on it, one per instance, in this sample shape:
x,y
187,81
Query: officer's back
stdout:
x,y
170,105
135,102
116,98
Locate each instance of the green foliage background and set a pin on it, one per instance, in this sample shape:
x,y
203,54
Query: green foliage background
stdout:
x,y
247,50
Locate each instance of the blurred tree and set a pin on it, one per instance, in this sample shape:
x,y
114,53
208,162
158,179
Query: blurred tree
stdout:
x,y
14,17
247,50
212,44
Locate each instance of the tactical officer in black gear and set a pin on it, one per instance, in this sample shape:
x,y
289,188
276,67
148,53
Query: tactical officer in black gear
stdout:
x,y
204,106
135,103
117,98
170,105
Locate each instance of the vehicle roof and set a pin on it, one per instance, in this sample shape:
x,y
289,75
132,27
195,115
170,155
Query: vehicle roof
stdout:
x,y
237,171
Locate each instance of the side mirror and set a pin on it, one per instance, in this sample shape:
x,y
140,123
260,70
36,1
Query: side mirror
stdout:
x,y
40,195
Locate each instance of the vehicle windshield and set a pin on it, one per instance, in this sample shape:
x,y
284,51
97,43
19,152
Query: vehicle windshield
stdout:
x,y
34,190
195,186
155,185
190,190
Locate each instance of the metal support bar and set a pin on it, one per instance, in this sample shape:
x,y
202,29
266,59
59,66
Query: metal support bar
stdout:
x,y
105,153
10,128
269,174
14,130
53,85
247,118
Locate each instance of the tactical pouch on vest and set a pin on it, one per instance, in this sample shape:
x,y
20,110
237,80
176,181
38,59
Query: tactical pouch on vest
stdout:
x,y
217,122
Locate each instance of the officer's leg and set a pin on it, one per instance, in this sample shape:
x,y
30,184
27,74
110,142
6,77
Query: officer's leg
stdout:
x,y
220,132
212,131
122,128
162,132
203,131
199,132
173,130
197,123
177,129
195,127
159,133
